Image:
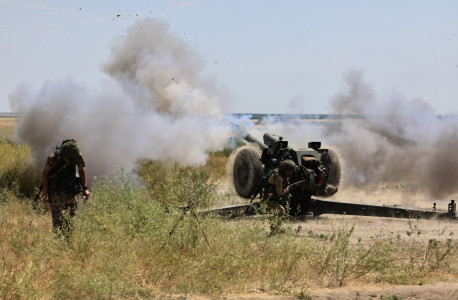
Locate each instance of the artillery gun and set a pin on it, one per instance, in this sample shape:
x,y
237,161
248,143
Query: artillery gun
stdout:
x,y
317,174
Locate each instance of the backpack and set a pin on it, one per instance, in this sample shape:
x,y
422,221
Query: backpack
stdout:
x,y
69,149
64,179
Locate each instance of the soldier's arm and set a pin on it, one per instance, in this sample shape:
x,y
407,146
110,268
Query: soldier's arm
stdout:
x,y
279,185
50,164
44,181
82,172
83,177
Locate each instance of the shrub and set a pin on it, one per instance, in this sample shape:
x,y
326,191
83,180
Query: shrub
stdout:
x,y
17,173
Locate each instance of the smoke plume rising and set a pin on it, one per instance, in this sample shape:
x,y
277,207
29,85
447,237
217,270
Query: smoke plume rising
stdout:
x,y
389,139
397,140
158,106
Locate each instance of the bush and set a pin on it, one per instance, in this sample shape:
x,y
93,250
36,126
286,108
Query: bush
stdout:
x,y
17,173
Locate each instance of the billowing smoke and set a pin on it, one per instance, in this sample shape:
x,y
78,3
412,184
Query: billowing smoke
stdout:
x,y
394,140
158,106
386,139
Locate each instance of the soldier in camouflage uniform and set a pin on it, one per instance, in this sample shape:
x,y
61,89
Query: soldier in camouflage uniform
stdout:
x,y
61,185
275,193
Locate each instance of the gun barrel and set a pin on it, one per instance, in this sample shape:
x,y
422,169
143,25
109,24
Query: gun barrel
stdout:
x,y
270,138
252,139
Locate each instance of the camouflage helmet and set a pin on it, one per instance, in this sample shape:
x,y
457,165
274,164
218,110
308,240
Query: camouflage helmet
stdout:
x,y
69,149
287,164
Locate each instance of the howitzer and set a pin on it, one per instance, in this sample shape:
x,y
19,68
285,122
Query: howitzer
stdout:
x,y
317,170
317,174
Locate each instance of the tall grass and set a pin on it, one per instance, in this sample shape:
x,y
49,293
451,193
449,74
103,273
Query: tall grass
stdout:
x,y
142,237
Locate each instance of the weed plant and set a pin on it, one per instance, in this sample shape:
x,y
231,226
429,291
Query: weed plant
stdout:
x,y
142,237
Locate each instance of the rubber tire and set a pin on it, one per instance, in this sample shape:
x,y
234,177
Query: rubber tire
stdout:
x,y
247,172
334,169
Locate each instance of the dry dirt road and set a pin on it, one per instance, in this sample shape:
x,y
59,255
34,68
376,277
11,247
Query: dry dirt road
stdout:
x,y
442,291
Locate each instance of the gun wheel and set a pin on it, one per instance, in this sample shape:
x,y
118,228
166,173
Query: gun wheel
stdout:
x,y
247,172
334,168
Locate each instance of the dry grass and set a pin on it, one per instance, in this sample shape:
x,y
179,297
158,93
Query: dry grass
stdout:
x,y
17,174
123,246
133,240
7,128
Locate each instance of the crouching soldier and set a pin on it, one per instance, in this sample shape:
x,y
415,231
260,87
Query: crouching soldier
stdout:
x,y
275,193
61,185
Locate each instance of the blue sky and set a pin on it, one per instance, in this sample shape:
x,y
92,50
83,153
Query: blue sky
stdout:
x,y
270,56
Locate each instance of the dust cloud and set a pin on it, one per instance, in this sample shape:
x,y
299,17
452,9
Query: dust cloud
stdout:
x,y
381,139
393,140
158,105
397,140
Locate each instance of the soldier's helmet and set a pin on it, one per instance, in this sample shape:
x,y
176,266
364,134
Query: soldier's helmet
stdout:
x,y
69,149
287,164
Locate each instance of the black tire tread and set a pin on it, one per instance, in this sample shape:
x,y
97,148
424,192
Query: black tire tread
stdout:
x,y
247,171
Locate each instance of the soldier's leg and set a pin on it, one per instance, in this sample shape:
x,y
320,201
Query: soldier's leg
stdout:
x,y
57,211
69,213
63,208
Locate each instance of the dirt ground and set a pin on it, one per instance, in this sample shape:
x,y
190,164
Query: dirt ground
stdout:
x,y
370,228
443,291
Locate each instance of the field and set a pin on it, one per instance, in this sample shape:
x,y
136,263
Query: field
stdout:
x,y
7,127
132,240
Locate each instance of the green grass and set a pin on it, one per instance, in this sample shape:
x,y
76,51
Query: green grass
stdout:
x,y
132,240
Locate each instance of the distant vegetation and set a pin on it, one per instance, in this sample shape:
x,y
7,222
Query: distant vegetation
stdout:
x,y
133,239
7,123
17,174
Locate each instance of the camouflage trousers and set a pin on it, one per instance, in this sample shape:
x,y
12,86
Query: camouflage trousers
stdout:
x,y
63,208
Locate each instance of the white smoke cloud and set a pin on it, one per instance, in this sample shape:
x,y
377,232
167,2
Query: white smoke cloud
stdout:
x,y
158,106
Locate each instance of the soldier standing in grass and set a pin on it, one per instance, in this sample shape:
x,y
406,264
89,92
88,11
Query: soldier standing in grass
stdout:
x,y
275,193
61,185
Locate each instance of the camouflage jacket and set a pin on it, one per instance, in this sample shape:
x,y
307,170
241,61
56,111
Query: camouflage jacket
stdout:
x,y
62,175
274,188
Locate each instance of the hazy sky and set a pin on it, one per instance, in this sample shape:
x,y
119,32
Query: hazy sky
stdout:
x,y
270,56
